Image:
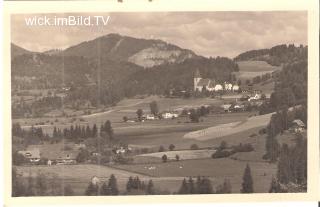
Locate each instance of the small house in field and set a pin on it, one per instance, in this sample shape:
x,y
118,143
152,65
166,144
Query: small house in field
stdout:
x,y
218,87
57,153
31,155
235,88
226,107
169,115
150,117
298,126
227,86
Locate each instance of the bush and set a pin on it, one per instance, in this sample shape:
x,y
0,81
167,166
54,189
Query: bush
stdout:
x,y
171,147
177,157
164,158
18,159
263,131
161,149
120,159
223,145
222,154
194,147
243,148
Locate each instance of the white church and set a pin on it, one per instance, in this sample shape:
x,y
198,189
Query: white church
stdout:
x,y
210,85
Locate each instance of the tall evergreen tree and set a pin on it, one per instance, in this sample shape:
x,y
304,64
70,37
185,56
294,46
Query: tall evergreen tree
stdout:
x,y
130,184
224,188
108,129
191,187
247,182
274,186
184,187
92,190
94,131
150,188
112,185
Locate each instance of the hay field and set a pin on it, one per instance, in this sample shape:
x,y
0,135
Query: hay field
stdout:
x,y
229,128
183,154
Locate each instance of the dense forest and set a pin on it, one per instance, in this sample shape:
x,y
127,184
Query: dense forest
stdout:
x,y
277,55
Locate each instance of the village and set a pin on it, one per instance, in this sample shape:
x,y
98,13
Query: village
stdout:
x,y
154,131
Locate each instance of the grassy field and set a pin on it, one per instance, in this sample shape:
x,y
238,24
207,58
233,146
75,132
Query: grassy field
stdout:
x,y
250,69
234,128
183,154
222,130
217,169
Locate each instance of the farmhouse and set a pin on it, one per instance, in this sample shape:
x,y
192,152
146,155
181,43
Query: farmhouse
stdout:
x,y
32,155
298,125
169,115
210,85
200,83
58,153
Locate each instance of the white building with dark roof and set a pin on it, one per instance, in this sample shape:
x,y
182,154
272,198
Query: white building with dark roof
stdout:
x,y
200,83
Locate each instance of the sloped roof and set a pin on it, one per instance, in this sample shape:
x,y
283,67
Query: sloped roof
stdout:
x,y
197,74
212,84
56,151
34,153
298,122
204,82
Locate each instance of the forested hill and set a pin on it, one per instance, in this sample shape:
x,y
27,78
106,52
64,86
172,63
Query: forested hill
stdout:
x,y
17,51
180,76
277,55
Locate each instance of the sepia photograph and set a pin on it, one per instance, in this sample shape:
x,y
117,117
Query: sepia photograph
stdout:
x,y
159,103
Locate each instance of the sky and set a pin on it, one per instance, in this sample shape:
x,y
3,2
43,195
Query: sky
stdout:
x,y
206,33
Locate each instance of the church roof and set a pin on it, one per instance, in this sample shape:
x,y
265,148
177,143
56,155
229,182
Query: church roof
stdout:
x,y
204,82
197,74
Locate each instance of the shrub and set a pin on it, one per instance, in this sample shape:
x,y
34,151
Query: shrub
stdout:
x,y
120,159
222,154
164,158
243,148
194,147
171,147
177,157
263,131
161,149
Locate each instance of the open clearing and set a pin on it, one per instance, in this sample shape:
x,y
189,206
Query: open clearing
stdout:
x,y
217,169
251,69
229,128
183,154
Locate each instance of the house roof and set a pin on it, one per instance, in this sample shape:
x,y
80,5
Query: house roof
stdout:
x,y
212,85
197,74
298,122
56,151
204,82
34,153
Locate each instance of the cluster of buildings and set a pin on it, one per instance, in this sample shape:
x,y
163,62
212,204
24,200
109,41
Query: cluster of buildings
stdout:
x,y
210,85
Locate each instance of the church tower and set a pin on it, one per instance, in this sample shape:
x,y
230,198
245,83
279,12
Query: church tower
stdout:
x,y
196,79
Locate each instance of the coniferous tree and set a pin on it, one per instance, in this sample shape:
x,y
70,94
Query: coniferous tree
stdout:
x,y
247,182
191,187
274,186
94,131
184,189
68,191
224,188
108,129
150,188
130,184
112,185
88,132
105,189
284,173
92,190
154,108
